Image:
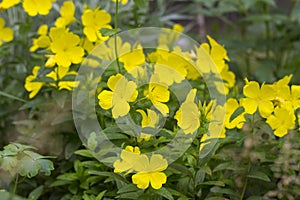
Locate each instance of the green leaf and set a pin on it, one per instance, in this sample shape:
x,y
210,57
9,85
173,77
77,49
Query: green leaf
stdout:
x,y
236,113
60,183
259,175
6,195
113,175
130,195
128,188
92,142
140,3
164,193
109,32
227,166
84,153
68,177
101,195
216,183
46,166
28,167
36,193
11,96
219,190
181,168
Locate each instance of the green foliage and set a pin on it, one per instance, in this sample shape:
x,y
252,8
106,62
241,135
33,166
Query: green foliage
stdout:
x,y
19,159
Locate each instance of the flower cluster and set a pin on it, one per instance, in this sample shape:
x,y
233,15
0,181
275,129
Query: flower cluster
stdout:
x,y
147,171
64,49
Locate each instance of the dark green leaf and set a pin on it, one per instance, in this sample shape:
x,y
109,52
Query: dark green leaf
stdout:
x,y
36,193
164,193
259,175
109,32
236,113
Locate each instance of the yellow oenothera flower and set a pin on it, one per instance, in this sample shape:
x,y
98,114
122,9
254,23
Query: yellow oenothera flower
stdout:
x,y
93,21
285,95
229,80
123,91
149,120
133,62
6,33
282,121
215,115
122,1
169,66
65,46
168,37
58,75
33,87
67,12
258,98
158,94
217,52
231,106
43,41
5,4
188,115
129,157
150,171
34,7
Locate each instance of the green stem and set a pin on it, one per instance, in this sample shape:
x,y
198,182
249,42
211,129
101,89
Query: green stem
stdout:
x,y
246,182
268,32
115,36
15,187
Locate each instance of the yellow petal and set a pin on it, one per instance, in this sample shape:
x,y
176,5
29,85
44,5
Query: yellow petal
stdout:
x,y
251,90
157,163
157,179
250,105
141,180
265,108
105,99
120,108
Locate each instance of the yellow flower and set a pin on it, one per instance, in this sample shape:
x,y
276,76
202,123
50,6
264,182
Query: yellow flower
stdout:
x,y
149,120
217,52
6,33
229,78
108,48
129,157
67,12
34,7
122,1
231,106
93,21
188,115
150,171
169,66
258,98
133,62
158,94
178,28
5,4
58,74
168,37
65,47
30,85
215,114
123,91
285,95
43,41
282,121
